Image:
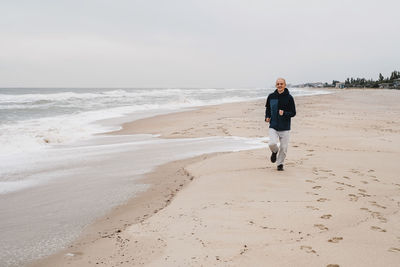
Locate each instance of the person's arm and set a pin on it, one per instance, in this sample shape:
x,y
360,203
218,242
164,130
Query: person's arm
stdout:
x,y
291,112
267,111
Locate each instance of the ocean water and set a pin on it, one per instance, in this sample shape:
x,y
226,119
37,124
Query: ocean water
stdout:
x,y
57,174
32,118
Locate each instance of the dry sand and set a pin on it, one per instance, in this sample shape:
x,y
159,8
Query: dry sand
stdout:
x,y
336,204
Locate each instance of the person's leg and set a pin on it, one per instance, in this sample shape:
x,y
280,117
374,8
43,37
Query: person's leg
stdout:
x,y
284,142
273,140
273,144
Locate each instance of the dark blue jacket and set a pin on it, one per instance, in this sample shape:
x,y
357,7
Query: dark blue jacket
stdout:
x,y
275,102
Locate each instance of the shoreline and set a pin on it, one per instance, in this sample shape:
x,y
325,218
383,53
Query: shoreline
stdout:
x,y
101,234
137,209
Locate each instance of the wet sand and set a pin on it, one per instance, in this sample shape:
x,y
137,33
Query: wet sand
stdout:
x,y
336,204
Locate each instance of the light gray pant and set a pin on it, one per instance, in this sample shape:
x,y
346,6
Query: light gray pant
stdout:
x,y
283,138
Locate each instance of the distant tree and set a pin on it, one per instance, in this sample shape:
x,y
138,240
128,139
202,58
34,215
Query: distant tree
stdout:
x,y
394,75
370,83
334,83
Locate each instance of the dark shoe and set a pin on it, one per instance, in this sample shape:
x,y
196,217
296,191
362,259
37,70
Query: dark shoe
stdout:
x,y
280,167
273,157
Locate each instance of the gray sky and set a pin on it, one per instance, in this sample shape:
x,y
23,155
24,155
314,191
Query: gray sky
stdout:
x,y
188,43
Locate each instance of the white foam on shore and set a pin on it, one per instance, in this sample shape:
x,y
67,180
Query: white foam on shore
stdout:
x,y
36,134
18,172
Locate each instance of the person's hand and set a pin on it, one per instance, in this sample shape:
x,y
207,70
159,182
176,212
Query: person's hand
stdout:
x,y
281,112
267,119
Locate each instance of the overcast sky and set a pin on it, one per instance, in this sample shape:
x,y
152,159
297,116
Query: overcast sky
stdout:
x,y
189,43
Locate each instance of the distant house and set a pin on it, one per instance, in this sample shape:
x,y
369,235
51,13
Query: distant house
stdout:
x,y
396,83
385,85
339,85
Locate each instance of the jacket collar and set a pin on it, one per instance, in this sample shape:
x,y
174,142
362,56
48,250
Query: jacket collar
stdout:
x,y
285,92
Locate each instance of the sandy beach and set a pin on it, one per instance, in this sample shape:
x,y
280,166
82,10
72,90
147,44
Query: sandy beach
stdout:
x,y
336,204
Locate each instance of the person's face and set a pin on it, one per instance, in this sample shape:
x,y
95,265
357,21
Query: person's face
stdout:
x,y
280,85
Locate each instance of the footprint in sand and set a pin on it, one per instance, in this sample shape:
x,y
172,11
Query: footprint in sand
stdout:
x,y
394,249
312,193
244,250
333,265
377,205
321,227
326,216
317,187
310,181
376,228
312,207
308,249
378,216
364,195
346,177
322,199
335,239
339,188
353,197
354,171
364,182
341,183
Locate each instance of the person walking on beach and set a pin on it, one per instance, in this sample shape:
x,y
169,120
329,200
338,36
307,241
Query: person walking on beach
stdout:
x,y
279,110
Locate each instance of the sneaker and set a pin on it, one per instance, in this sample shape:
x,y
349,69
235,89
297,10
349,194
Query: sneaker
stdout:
x,y
273,157
280,167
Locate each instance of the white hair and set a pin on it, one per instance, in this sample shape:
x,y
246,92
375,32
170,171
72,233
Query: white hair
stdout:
x,y
280,78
